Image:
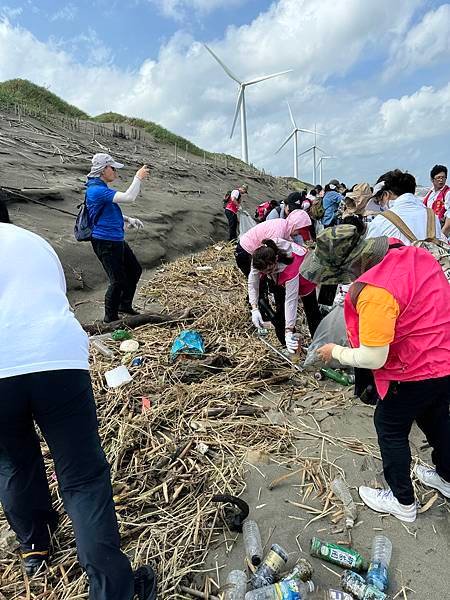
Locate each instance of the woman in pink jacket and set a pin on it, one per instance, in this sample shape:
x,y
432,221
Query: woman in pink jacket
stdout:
x,y
296,224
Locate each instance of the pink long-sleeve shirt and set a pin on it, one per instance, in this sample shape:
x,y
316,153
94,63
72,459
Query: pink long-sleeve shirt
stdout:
x,y
274,228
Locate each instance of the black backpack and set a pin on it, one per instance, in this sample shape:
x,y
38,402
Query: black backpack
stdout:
x,y
83,225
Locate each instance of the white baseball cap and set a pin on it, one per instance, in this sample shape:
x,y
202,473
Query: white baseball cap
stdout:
x,y
100,161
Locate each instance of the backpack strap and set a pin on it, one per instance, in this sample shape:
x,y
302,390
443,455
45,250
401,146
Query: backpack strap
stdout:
x,y
431,224
400,224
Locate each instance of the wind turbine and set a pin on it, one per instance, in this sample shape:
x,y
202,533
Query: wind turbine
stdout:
x,y
314,149
293,134
319,164
240,104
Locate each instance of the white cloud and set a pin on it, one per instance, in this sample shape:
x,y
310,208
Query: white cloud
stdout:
x,y
179,9
65,13
10,12
426,44
185,90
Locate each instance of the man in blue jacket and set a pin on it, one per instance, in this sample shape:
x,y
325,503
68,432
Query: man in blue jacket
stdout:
x,y
108,238
331,202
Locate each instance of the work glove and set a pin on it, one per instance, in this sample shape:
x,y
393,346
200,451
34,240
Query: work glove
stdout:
x,y
291,342
135,223
257,319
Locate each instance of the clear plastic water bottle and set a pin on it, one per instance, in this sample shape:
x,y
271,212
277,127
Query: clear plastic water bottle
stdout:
x,y
271,566
252,541
341,491
378,574
236,585
303,570
354,584
288,589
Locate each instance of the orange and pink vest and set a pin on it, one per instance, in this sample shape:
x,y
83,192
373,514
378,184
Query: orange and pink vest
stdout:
x,y
305,287
421,346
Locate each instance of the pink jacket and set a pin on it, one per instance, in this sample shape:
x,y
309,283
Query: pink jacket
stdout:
x,y
274,228
421,346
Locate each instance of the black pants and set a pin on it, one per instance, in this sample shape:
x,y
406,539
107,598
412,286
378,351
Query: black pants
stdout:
x,y
425,402
243,260
123,270
62,405
310,306
232,224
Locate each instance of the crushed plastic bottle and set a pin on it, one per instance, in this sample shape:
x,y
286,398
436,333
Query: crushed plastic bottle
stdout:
x,y
338,595
288,589
378,574
271,566
252,541
341,491
236,585
100,346
338,555
354,584
303,570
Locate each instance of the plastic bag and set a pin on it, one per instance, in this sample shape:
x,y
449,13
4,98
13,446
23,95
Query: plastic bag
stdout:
x,y
245,222
188,341
331,330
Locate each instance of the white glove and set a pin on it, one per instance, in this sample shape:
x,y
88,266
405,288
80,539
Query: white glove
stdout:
x,y
291,342
136,223
257,319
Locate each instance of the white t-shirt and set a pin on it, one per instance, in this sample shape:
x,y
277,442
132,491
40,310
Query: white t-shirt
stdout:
x,y
38,330
413,212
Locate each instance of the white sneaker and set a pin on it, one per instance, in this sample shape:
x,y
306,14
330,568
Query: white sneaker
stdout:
x,y
430,478
384,501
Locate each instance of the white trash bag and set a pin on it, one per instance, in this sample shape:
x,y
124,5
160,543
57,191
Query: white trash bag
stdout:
x,y
245,222
331,330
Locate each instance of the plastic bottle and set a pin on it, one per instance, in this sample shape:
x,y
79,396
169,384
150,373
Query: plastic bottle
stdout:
x,y
338,555
252,541
236,585
378,574
100,346
340,489
303,570
121,334
338,595
270,567
342,378
354,584
288,589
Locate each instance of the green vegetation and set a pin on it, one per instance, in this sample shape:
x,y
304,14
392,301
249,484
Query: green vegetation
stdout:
x,y
37,98
159,133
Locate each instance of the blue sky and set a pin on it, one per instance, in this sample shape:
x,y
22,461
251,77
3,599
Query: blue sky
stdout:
x,y
374,75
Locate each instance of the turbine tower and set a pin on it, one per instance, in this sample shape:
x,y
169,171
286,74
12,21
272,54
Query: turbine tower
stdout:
x,y
293,134
319,164
314,151
240,103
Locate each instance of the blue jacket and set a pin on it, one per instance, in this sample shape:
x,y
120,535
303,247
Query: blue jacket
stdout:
x,y
110,224
331,202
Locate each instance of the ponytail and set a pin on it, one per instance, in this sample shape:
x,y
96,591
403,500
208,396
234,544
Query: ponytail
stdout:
x,y
268,254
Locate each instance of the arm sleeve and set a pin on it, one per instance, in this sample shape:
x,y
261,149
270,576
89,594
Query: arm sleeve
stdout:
x,y
253,287
378,311
131,194
364,357
291,302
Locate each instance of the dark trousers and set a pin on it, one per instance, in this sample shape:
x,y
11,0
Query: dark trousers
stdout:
x,y
62,405
327,294
232,224
243,260
123,270
310,306
425,402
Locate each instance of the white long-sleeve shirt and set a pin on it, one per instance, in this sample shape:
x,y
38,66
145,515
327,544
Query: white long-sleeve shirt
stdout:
x,y
413,212
39,331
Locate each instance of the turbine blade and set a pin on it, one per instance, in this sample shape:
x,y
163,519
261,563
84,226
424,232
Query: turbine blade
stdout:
x,y
292,117
236,112
257,80
306,130
285,142
224,67
306,151
319,148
